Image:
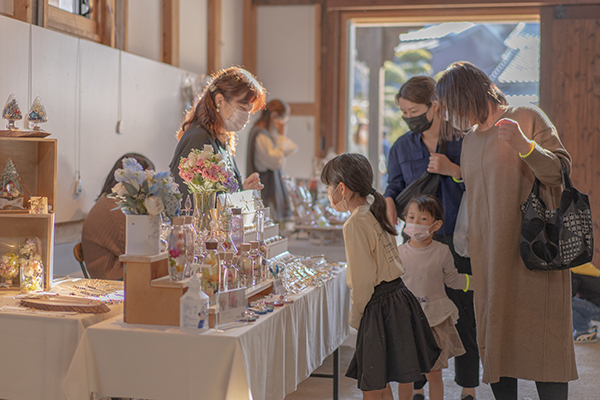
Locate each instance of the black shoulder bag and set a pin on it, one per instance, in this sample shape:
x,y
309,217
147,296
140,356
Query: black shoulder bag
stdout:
x,y
556,239
427,183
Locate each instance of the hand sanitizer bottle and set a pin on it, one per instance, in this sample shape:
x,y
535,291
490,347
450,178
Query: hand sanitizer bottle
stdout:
x,y
193,307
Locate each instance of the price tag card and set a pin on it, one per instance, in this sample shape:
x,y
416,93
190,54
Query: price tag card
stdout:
x,y
232,304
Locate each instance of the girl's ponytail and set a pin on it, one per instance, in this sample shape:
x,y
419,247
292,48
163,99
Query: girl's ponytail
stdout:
x,y
378,208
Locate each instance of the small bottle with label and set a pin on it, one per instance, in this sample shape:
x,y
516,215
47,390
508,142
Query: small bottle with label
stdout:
x,y
193,307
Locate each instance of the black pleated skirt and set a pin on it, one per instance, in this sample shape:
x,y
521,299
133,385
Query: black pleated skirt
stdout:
x,y
395,342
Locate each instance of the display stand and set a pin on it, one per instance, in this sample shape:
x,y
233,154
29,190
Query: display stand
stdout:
x,y
36,162
150,296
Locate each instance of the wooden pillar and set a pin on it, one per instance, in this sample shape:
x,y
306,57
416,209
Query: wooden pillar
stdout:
x,y
121,30
330,48
171,32
23,10
214,36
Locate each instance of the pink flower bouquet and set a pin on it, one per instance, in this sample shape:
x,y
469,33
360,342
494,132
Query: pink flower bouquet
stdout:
x,y
206,172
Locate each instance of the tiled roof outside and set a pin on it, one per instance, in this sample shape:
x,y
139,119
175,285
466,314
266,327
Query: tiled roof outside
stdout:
x,y
436,31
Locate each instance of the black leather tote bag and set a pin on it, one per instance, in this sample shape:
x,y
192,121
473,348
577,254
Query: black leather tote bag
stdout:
x,y
560,238
427,183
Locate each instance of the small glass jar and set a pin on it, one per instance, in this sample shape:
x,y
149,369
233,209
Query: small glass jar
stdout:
x,y
9,267
32,276
245,265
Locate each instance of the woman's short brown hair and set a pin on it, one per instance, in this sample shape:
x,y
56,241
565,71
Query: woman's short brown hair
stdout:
x,y
466,91
418,89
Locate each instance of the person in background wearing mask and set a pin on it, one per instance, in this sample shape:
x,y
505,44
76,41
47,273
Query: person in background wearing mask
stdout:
x,y
410,156
268,147
524,326
223,109
429,268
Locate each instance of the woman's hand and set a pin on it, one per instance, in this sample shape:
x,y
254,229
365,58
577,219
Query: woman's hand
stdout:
x,y
391,211
510,131
253,182
440,164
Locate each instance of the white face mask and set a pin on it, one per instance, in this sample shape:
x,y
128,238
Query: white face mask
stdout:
x,y
237,121
418,232
340,206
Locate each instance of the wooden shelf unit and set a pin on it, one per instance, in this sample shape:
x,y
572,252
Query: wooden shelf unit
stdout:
x,y
36,162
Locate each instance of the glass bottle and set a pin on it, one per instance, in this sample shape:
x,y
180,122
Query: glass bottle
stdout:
x,y
193,307
257,258
228,245
233,275
245,266
222,272
237,227
190,233
260,238
210,271
178,249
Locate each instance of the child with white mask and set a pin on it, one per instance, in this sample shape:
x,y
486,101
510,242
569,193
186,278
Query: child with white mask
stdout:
x,y
429,266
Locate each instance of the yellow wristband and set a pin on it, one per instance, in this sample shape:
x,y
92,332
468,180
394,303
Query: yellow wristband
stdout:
x,y
467,288
532,146
457,180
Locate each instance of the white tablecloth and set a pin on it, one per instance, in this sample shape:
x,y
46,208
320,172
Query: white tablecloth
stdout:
x,y
263,360
36,351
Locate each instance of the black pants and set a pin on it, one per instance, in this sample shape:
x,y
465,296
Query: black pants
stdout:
x,y
466,367
506,389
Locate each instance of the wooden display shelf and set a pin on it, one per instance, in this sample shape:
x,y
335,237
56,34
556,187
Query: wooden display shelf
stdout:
x,y
36,161
15,227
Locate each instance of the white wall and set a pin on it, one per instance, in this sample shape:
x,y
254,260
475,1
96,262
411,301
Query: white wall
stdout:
x,y
144,28
82,106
